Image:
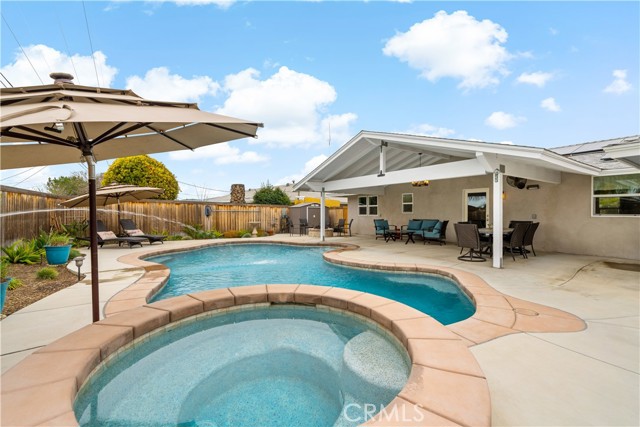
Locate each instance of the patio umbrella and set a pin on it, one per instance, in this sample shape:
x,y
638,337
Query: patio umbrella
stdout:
x,y
66,123
115,194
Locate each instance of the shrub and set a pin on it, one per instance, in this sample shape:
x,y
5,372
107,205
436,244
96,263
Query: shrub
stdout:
x,y
15,284
267,194
4,270
47,273
197,231
22,252
74,254
145,172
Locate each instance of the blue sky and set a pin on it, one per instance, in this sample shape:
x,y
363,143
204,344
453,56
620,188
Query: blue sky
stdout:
x,y
541,74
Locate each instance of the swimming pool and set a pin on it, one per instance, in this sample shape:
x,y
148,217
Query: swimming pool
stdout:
x,y
265,366
249,264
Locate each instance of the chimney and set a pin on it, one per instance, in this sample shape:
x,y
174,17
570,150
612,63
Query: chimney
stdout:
x,y
237,194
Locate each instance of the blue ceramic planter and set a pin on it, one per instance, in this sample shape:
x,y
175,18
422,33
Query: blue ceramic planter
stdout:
x,y
3,292
57,254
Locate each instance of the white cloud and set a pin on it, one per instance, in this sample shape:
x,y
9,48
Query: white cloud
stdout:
x,y
455,45
553,31
290,104
310,165
47,60
619,84
429,130
538,78
550,104
501,120
222,154
158,84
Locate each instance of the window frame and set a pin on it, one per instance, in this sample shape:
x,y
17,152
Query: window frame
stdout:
x,y
594,197
403,203
368,206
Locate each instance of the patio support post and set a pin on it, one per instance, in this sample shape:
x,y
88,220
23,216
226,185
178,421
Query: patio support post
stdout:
x,y
322,214
383,158
497,216
93,226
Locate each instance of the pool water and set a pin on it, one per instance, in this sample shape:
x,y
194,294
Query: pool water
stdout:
x,y
267,366
250,264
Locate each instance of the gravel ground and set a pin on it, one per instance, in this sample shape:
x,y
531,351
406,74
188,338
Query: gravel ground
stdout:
x,y
34,289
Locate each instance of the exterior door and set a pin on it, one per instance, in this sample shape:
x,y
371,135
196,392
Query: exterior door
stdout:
x,y
475,206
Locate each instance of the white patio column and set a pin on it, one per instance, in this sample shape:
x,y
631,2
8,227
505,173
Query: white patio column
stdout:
x,y
383,158
497,216
322,215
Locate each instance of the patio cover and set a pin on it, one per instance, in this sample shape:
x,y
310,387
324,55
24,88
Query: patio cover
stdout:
x,y
373,160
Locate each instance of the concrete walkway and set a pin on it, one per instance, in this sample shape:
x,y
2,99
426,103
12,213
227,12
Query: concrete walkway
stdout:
x,y
590,377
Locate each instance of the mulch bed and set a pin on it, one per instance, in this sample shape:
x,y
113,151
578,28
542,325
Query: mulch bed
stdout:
x,y
34,289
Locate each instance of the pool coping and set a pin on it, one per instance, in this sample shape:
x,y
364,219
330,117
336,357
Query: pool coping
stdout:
x,y
446,385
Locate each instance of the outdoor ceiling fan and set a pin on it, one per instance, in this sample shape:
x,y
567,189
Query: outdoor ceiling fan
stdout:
x,y
519,183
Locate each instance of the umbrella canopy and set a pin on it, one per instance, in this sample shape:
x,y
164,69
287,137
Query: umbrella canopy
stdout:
x,y
64,123
115,194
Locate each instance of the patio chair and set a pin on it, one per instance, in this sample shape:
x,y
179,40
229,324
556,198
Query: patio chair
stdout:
x,y
339,228
107,236
528,238
304,226
131,230
348,227
468,237
383,229
515,240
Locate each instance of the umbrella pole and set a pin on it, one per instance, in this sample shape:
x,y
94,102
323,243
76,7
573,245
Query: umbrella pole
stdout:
x,y
93,229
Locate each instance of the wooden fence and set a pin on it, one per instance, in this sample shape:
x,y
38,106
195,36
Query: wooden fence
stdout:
x,y
24,213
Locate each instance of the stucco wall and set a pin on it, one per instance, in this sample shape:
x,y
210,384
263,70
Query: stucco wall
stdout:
x,y
564,213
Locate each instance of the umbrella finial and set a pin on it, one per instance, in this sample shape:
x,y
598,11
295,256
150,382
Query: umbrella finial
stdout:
x,y
61,78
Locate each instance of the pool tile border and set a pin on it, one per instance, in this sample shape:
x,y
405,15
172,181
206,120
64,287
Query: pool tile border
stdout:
x,y
441,383
34,376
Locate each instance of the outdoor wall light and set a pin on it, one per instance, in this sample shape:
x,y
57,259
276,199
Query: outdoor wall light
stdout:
x,y
423,183
533,187
79,260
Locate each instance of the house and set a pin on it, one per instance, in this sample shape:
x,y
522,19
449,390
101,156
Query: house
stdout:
x,y
586,196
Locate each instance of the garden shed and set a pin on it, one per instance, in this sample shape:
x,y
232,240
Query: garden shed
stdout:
x,y
308,211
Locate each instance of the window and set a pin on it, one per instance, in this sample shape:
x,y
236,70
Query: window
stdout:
x,y
368,205
616,195
407,203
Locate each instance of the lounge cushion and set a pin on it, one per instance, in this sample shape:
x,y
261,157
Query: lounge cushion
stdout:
x,y
414,224
135,232
107,235
428,224
437,227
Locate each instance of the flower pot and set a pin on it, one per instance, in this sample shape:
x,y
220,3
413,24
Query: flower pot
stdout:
x,y
3,292
57,254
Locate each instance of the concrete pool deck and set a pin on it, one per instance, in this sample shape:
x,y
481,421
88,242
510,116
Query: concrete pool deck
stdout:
x,y
589,377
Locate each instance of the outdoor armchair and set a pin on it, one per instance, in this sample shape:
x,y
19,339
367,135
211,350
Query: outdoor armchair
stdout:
x,y
383,229
516,239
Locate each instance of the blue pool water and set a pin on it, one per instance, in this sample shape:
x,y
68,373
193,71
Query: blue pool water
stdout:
x,y
249,264
269,366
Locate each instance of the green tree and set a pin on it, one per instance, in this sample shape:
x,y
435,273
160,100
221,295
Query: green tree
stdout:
x,y
267,194
73,185
143,171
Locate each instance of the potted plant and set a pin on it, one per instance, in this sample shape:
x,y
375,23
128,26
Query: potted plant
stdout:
x,y
4,282
58,248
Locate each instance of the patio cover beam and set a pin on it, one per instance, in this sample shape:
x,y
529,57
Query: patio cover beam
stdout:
x,y
516,168
463,168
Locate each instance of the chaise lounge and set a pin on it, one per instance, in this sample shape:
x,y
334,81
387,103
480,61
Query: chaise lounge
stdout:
x,y
107,236
132,230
